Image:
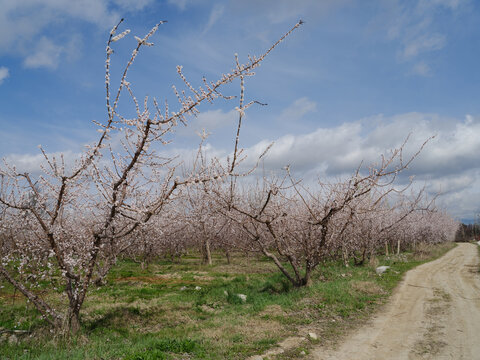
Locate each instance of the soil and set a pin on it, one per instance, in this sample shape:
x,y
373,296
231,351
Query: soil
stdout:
x,y
433,314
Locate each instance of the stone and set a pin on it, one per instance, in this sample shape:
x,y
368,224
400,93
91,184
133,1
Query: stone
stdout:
x,y
303,353
197,288
255,357
312,336
242,297
183,288
225,292
381,269
12,340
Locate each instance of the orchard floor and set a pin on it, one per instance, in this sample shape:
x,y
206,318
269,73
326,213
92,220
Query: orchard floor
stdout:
x,y
189,310
433,314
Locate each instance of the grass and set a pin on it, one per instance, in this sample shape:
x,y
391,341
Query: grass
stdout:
x,y
157,313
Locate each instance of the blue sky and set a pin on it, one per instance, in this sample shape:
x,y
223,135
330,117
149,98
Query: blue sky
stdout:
x,y
354,81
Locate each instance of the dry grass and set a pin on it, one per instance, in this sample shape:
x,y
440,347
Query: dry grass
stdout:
x,y
155,280
368,287
272,310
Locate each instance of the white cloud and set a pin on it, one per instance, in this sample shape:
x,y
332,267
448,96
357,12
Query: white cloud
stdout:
x,y
4,73
134,5
215,14
448,164
298,109
32,163
452,4
22,24
180,4
424,43
339,149
452,183
460,194
22,21
46,54
422,69
278,11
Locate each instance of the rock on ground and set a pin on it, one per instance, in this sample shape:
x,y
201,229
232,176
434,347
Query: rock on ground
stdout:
x,y
381,269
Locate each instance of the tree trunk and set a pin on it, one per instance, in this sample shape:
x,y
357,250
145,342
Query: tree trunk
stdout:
x,y
360,262
307,279
207,254
102,271
74,322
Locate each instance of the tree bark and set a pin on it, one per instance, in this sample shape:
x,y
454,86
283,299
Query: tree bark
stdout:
x,y
207,256
74,321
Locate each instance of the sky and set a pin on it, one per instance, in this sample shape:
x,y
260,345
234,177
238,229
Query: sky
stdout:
x,y
351,83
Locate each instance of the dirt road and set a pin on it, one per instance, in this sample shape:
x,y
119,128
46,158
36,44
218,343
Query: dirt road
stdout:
x,y
433,314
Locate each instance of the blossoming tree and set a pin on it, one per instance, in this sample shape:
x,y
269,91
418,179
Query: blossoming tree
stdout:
x,y
59,225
